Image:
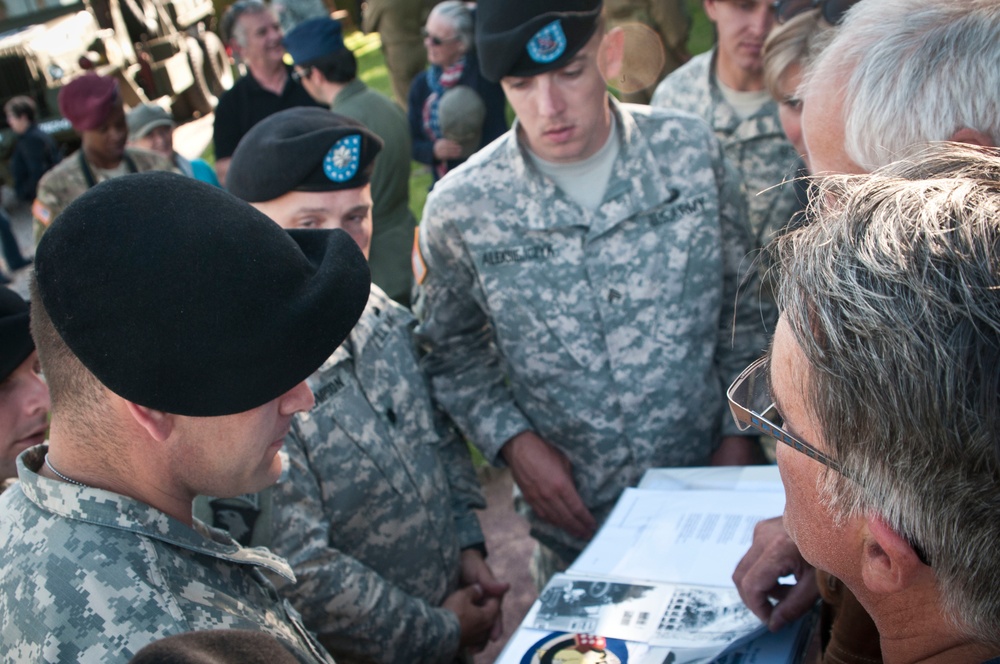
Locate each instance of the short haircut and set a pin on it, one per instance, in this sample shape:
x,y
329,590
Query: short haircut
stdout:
x,y
338,67
912,72
459,16
893,292
76,394
796,42
230,28
21,107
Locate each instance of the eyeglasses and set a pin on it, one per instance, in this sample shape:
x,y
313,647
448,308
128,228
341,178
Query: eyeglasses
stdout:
x,y
437,41
753,406
832,11
299,74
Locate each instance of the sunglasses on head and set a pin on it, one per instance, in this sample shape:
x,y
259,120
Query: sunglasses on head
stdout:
x,y
832,11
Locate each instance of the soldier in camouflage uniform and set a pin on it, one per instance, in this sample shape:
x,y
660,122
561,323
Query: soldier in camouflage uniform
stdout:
x,y
725,87
94,107
24,396
582,334
375,515
101,553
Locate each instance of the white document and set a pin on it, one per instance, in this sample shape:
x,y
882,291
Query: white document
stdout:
x,y
714,478
684,537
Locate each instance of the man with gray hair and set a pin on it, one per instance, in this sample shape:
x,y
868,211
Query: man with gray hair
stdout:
x,y
252,30
899,74
886,86
888,414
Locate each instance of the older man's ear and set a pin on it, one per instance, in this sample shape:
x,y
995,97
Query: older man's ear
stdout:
x,y
888,562
972,137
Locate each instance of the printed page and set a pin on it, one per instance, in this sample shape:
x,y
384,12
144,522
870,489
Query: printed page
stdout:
x,y
685,537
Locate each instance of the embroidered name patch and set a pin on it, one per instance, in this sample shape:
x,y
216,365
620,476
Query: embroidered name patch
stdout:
x,y
681,209
518,254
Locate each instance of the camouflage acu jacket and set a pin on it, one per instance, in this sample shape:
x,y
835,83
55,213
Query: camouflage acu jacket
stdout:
x,y
610,333
92,576
378,501
66,182
756,145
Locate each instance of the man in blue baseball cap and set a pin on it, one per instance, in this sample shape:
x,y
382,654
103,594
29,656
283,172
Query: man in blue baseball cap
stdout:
x,y
328,71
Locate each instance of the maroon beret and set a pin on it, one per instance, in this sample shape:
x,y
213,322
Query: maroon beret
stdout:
x,y
88,100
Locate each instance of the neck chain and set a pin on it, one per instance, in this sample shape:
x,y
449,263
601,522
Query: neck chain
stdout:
x,y
61,476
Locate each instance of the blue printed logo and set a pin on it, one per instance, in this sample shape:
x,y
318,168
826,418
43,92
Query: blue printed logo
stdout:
x,y
342,161
548,43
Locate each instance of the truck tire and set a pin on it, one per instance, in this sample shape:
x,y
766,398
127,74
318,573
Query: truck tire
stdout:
x,y
217,68
198,99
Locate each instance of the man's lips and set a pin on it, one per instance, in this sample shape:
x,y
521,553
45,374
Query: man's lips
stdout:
x,y
558,134
36,438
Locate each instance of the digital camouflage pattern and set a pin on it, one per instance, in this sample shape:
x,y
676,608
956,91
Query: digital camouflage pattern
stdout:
x,y
378,501
610,333
66,182
92,576
757,145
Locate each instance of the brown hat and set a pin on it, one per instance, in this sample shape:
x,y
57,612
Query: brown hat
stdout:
x,y
88,100
221,646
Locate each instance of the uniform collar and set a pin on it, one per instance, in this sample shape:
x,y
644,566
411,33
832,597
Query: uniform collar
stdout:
x,y
112,510
725,119
635,184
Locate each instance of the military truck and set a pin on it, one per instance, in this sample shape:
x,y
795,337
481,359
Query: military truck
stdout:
x,y
159,50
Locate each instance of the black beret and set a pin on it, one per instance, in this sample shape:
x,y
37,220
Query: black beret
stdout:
x,y
180,297
530,38
15,336
301,149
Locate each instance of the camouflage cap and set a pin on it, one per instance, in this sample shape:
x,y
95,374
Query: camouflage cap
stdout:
x,y
530,38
